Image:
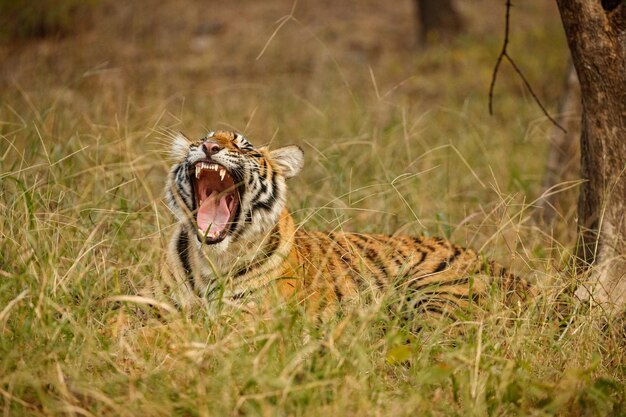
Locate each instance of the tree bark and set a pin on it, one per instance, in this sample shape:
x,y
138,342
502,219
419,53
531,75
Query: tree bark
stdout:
x,y
437,20
596,34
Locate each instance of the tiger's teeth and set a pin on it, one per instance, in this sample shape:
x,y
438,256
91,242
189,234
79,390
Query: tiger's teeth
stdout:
x,y
200,166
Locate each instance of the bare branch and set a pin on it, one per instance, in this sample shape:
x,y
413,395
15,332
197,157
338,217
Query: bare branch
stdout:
x,y
500,56
532,93
504,54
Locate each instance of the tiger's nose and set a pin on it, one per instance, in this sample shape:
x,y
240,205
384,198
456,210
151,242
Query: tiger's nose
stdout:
x,y
211,148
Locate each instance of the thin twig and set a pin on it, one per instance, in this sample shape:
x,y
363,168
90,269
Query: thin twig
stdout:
x,y
500,56
504,54
532,93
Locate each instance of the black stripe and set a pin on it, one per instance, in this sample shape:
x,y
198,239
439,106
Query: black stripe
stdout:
x,y
400,260
211,287
182,247
182,172
247,220
178,179
262,186
373,254
448,262
442,265
322,304
274,185
396,254
433,306
348,257
473,298
374,257
190,201
250,184
413,270
341,253
461,297
265,205
338,293
412,273
401,245
186,196
419,241
435,289
240,295
177,169
456,281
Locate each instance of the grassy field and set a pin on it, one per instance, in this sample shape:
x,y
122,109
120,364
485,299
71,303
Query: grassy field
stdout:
x,y
396,139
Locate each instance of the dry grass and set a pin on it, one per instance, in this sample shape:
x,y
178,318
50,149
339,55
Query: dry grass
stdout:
x,y
396,139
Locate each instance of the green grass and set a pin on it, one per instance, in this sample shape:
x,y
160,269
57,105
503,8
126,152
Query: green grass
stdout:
x,y
395,139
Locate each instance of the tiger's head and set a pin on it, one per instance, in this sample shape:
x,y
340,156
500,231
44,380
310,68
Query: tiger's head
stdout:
x,y
226,189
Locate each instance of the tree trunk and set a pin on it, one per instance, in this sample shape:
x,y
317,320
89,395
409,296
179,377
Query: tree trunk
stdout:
x,y
596,34
437,20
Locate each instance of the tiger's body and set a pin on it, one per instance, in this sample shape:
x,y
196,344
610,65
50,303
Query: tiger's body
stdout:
x,y
238,243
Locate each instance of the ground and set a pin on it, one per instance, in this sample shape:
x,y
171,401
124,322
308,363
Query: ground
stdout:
x,y
397,139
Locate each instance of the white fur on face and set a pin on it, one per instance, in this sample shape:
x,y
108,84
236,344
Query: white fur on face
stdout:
x,y
180,147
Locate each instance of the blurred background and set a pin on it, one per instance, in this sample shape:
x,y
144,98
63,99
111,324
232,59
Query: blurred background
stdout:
x,y
389,103
268,52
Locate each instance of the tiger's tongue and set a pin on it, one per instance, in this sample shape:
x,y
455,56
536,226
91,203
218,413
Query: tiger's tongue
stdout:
x,y
213,214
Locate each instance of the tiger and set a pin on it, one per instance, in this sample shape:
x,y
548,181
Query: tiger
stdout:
x,y
235,241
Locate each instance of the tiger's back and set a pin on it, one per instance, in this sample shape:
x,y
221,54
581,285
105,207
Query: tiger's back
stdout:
x,y
431,273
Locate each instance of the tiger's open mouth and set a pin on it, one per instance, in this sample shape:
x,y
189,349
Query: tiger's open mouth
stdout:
x,y
216,200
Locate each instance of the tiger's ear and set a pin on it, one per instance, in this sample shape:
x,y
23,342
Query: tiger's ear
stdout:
x,y
289,159
180,146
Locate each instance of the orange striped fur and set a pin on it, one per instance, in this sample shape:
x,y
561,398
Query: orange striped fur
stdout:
x,y
262,252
